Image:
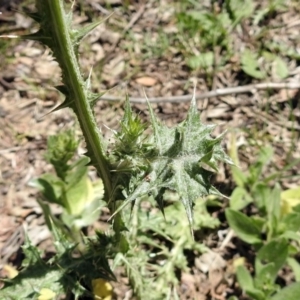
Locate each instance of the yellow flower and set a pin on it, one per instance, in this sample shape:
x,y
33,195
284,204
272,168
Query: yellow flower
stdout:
x,y
102,289
11,271
289,199
46,294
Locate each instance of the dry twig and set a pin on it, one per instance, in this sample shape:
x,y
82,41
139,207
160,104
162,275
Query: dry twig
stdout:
x,y
251,88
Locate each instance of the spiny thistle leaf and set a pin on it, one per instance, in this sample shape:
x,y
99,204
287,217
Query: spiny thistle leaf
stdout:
x,y
32,254
94,97
179,159
62,274
33,15
182,151
79,34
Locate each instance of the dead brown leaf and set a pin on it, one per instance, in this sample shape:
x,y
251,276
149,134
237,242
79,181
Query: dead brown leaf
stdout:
x,y
146,81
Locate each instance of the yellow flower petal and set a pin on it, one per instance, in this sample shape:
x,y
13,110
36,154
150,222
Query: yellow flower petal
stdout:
x,y
289,199
46,294
11,271
102,289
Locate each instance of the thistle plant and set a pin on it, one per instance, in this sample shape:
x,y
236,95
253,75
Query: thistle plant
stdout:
x,y
181,159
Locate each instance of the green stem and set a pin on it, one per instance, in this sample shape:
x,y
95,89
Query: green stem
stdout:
x,y
76,86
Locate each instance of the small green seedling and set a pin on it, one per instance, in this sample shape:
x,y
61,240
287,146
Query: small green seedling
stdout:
x,y
71,188
262,286
272,230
